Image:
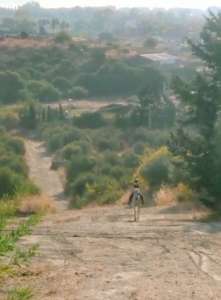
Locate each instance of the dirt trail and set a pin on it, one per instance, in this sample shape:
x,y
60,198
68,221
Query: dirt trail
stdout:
x,y
99,254
48,180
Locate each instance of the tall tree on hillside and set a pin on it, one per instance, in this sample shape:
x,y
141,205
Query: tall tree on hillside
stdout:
x,y
195,140
151,95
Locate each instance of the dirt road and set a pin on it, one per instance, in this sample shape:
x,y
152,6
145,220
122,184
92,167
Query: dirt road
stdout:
x,y
48,180
99,254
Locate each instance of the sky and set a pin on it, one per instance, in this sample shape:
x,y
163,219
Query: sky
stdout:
x,y
202,4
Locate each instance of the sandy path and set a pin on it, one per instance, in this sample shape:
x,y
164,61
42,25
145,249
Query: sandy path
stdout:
x,y
99,254
48,180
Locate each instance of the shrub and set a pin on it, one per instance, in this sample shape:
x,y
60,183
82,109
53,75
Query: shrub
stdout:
x,y
63,37
166,195
156,167
43,91
105,142
170,195
17,146
37,204
62,84
79,186
11,84
9,121
58,137
139,148
90,120
71,150
104,190
78,92
117,172
130,160
78,165
185,193
9,182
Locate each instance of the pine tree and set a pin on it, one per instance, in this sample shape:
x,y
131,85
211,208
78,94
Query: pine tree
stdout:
x,y
201,99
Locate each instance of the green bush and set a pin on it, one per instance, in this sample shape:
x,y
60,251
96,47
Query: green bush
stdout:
x,y
79,186
11,85
43,91
104,190
77,148
78,165
157,172
156,167
17,146
9,121
90,120
78,92
9,182
63,37
62,84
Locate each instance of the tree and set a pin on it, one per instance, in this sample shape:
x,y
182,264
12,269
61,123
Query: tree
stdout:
x,y
11,84
196,138
150,43
43,91
29,116
151,96
55,24
62,84
63,37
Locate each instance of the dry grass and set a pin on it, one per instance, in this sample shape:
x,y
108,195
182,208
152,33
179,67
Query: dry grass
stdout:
x,y
125,198
37,204
16,42
172,195
165,196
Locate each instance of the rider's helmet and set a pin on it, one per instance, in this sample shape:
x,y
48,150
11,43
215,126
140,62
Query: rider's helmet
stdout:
x,y
136,183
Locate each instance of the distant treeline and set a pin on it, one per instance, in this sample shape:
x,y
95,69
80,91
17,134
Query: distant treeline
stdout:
x,y
107,22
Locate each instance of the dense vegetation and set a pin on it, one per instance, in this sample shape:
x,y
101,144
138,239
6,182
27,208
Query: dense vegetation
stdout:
x,y
197,139
13,170
107,23
102,151
75,71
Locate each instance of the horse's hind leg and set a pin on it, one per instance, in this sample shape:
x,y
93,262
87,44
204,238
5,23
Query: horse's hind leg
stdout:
x,y
138,213
135,214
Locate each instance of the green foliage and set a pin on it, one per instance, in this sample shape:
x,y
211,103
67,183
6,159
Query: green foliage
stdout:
x,y
78,165
23,256
28,116
156,167
62,38
201,101
78,92
22,293
13,170
157,172
10,182
43,91
150,43
79,186
62,84
8,240
8,80
59,136
90,120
